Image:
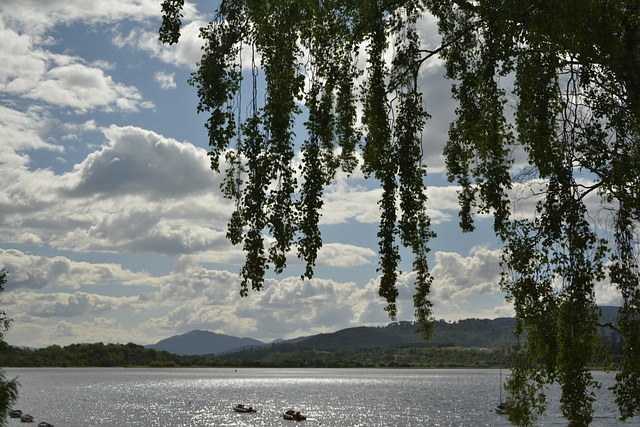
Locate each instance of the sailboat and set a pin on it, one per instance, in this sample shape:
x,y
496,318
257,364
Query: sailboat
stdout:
x,y
501,407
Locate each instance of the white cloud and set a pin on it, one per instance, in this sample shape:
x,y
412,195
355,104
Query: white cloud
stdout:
x,y
65,332
140,192
39,272
69,305
37,16
166,81
83,88
21,63
607,294
21,132
345,255
30,71
140,162
187,53
344,202
180,301
456,278
283,309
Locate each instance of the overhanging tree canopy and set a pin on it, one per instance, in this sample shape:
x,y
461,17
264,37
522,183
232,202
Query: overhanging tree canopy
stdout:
x,y
308,53
556,81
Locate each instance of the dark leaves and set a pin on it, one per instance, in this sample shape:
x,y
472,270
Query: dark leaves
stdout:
x,y
171,21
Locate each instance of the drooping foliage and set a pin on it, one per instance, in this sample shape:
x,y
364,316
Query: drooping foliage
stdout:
x,y
548,97
556,82
268,64
8,388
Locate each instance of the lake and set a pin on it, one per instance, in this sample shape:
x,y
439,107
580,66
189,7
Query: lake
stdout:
x,y
329,397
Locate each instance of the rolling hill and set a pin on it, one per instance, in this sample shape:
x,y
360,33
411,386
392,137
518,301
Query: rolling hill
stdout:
x,y
198,343
467,333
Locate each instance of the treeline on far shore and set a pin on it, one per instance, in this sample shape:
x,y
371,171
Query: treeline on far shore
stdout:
x,y
129,355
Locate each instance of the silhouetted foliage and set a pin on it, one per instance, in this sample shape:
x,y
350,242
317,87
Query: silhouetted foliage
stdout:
x,y
553,83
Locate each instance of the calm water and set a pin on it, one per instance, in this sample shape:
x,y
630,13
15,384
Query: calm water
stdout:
x,y
329,397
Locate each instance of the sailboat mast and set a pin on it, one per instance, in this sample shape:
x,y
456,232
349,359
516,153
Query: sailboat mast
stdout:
x,y
500,385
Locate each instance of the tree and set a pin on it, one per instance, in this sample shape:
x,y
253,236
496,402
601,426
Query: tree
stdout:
x,y
8,388
308,53
553,83
576,84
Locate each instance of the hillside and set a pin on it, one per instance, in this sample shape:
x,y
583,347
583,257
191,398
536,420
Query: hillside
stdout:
x,y
197,343
469,333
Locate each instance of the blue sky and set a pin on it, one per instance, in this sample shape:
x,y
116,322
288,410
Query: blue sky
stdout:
x,y
111,224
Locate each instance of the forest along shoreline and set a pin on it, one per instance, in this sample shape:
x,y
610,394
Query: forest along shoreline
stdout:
x,y
469,343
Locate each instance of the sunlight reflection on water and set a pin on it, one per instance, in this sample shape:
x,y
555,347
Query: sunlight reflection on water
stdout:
x,y
330,397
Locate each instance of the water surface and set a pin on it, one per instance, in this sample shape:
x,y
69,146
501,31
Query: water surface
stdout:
x,y
330,397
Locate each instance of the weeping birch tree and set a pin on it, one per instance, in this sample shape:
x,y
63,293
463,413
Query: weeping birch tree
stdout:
x,y
551,84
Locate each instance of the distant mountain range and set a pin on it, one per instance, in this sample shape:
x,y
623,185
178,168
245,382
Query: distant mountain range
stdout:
x,y
468,333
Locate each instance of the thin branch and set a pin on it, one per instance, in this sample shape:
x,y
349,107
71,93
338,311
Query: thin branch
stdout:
x,y
431,53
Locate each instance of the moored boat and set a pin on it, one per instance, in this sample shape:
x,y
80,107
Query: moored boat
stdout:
x,y
292,415
26,418
501,408
242,408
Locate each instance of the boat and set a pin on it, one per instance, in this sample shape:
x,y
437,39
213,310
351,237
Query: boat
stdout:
x,y
501,407
292,415
26,418
240,407
15,413
44,424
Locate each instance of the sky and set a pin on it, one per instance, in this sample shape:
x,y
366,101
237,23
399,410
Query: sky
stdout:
x,y
112,226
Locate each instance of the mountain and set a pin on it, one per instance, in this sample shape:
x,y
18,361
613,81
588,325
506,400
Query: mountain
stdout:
x,y
467,333
198,343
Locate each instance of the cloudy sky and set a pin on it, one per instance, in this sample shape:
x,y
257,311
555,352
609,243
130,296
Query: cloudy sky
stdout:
x,y
111,225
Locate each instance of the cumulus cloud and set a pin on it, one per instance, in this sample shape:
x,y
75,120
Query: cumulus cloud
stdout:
x,y
65,332
69,305
138,161
183,300
607,294
283,309
21,62
345,255
38,272
29,70
186,53
166,81
84,88
343,203
21,132
456,277
37,16
139,192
